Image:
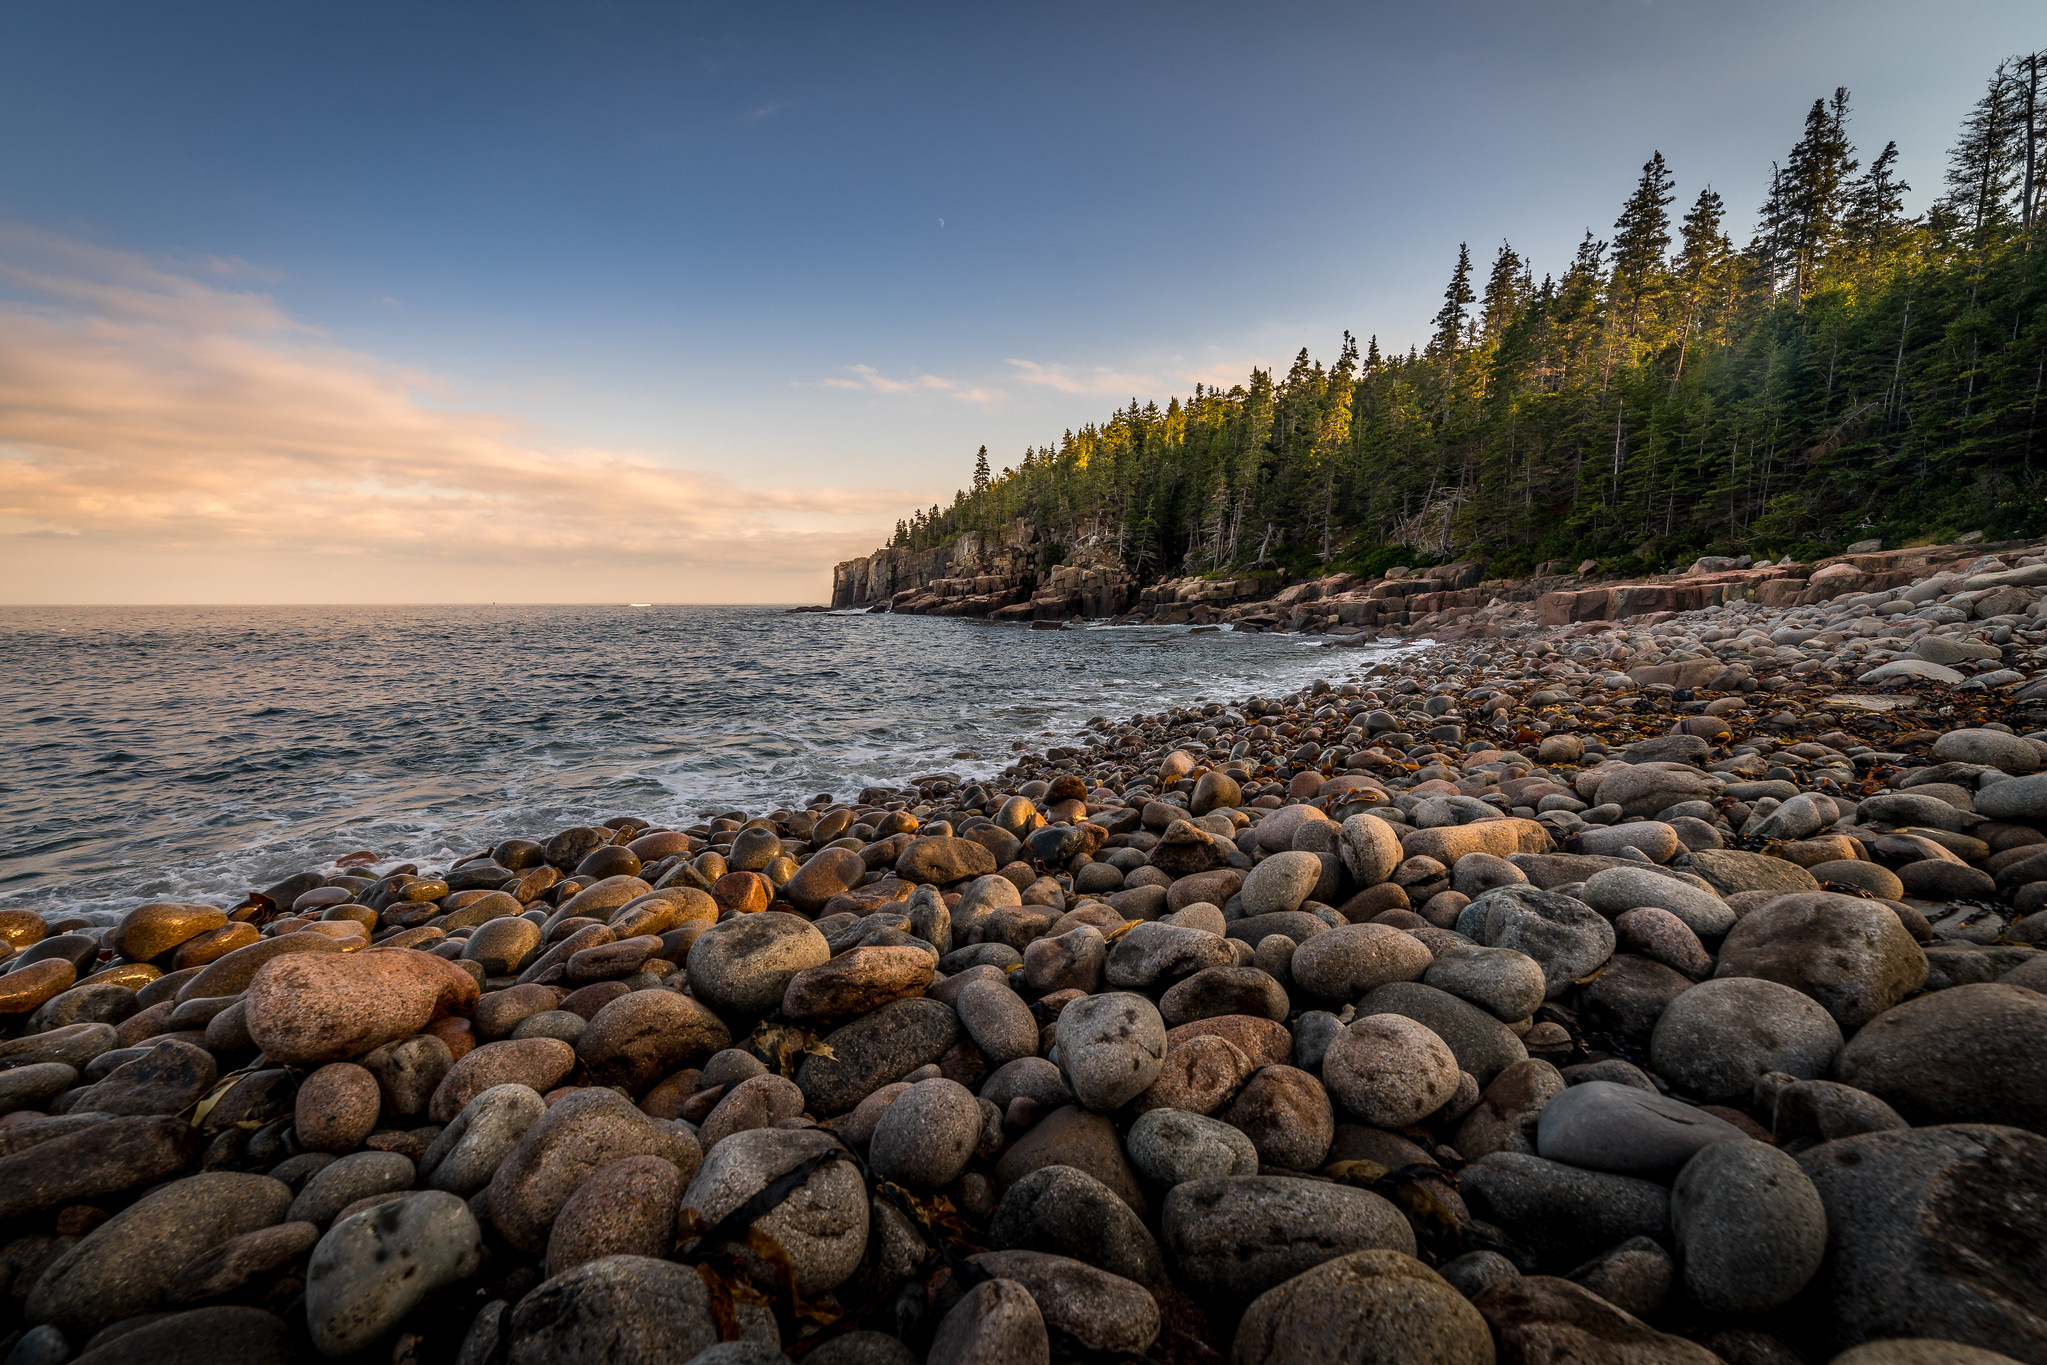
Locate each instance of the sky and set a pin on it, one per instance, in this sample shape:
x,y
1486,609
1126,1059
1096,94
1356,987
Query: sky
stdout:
x,y
680,303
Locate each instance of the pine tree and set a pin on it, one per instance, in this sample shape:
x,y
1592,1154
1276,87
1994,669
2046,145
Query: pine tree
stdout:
x,y
1641,236
1987,166
1701,261
1812,186
1457,297
981,476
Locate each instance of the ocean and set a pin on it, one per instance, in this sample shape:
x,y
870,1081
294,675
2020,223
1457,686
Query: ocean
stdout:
x,y
195,753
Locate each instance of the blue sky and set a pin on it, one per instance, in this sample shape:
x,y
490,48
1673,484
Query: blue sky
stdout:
x,y
802,258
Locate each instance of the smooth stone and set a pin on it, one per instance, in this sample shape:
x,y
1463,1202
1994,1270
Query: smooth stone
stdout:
x,y
201,1336
1630,995
1567,938
1072,1136
1718,1038
1750,1227
151,930
998,1021
1369,847
408,1072
1287,1115
822,1225
927,1136
1618,890
1635,1277
1364,1308
353,1177
874,1050
1807,1113
88,1162
1200,1075
372,1269
1173,1146
1067,1212
1853,956
73,1045
624,1310
1238,1236
1281,882
996,1322
1968,1054
1508,1110
35,1085
626,1208
642,1036
232,1264
1508,985
1111,1047
1100,1311
1389,1071
1153,953
743,966
582,1132
337,1108
857,981
312,1007
756,1102
1561,1213
1934,1232
1481,1044
1604,1126
168,1078
1544,1318
537,1063
126,1265
466,1152
1347,962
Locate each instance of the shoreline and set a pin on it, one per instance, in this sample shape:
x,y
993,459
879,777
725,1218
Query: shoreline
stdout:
x,y
1435,983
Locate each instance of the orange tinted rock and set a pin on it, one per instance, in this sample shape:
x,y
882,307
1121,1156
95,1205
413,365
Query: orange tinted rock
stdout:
x,y
319,1007
204,949
1265,1042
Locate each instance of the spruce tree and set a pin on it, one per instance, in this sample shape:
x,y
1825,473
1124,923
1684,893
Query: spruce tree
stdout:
x,y
1641,236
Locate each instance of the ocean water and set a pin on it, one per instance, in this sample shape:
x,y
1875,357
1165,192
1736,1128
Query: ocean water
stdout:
x,y
199,752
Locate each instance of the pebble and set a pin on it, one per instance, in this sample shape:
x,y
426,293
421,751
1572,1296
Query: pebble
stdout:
x,y
1750,1227
1604,1126
1718,1038
1853,956
1111,1047
581,1133
821,1226
467,1152
743,966
337,1107
1389,1071
370,1270
996,1322
1196,970
626,1208
1100,1311
1347,962
356,1176
310,1007
1377,1305
1067,1212
1238,1236
536,1063
1968,1054
927,1136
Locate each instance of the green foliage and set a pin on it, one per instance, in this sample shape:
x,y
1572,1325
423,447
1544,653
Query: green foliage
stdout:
x,y
1851,372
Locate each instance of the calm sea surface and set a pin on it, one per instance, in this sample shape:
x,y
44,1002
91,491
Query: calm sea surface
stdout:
x,y
197,752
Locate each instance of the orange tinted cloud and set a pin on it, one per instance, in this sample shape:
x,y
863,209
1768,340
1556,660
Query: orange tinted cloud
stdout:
x,y
168,433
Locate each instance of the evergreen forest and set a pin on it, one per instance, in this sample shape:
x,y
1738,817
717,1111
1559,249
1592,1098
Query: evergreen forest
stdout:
x,y
1850,371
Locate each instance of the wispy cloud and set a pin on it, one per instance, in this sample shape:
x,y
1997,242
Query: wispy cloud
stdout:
x,y
1084,378
871,380
148,409
766,111
1110,382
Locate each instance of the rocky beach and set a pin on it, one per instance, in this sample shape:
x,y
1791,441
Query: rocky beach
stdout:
x,y
1631,972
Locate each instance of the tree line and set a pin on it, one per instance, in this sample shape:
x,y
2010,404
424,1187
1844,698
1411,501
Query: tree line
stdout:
x,y
1853,371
